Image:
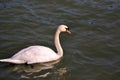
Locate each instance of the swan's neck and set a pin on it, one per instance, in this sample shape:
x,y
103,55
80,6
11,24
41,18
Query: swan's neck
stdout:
x,y
57,43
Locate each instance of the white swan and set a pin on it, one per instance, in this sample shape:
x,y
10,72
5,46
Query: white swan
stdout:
x,y
39,54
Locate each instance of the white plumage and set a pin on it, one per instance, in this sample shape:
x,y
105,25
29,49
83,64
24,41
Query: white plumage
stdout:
x,y
39,54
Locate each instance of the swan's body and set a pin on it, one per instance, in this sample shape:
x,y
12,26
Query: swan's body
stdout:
x,y
39,54
33,54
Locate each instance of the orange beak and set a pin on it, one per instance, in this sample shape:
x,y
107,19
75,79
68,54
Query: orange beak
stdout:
x,y
68,31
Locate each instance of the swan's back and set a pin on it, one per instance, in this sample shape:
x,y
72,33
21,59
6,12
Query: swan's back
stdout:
x,y
36,54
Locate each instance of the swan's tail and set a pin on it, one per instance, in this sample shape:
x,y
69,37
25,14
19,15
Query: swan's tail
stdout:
x,y
9,60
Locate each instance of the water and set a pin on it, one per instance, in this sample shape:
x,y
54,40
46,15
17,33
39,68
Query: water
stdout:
x,y
91,52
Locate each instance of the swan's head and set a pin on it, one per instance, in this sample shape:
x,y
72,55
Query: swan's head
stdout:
x,y
64,28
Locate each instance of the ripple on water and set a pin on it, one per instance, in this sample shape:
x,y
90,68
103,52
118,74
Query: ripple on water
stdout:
x,y
90,52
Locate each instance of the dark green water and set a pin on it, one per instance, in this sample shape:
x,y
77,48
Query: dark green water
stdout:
x,y
91,52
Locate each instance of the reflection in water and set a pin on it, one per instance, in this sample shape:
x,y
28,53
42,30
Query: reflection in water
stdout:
x,y
35,67
35,70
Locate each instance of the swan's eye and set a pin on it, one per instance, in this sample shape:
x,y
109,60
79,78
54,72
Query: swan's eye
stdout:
x,y
67,28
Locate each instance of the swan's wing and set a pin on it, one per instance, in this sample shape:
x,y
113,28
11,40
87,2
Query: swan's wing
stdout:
x,y
35,54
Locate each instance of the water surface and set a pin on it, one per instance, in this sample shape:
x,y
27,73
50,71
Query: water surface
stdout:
x,y
91,52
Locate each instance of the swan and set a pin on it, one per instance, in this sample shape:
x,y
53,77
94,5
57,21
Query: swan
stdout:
x,y
39,54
